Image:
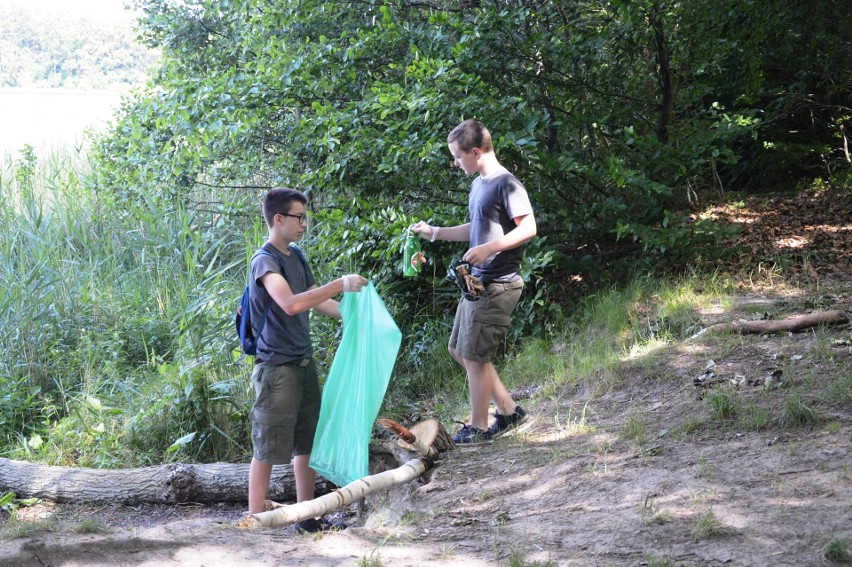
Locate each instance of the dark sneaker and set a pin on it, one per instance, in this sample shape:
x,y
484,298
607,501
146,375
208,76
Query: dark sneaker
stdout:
x,y
470,434
312,526
309,526
504,423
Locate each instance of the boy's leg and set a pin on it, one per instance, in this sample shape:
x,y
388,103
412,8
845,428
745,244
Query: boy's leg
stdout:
x,y
259,475
485,385
501,396
479,382
305,478
306,427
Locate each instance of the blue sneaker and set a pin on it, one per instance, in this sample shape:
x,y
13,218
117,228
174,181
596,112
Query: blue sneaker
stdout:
x,y
469,434
504,423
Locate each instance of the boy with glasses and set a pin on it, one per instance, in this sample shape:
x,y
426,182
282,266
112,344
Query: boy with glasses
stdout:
x,y
287,395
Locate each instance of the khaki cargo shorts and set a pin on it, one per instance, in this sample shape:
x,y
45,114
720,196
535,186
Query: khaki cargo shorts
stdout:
x,y
480,326
285,412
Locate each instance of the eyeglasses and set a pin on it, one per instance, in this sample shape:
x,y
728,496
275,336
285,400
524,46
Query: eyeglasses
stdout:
x,y
303,219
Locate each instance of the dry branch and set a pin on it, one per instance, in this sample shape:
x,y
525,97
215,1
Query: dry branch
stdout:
x,y
350,493
793,325
427,438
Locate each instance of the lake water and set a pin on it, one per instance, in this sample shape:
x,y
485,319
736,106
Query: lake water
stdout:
x,y
51,119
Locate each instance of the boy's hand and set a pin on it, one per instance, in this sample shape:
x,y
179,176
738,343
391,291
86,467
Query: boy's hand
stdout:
x,y
478,255
423,229
354,282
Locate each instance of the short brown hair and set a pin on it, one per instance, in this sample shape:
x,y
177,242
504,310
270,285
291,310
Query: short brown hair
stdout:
x,y
471,134
279,201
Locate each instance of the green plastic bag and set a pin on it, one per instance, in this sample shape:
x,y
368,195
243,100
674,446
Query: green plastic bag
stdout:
x,y
355,387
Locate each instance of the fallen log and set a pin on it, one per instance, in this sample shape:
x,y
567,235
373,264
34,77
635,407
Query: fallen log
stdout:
x,y
792,325
172,483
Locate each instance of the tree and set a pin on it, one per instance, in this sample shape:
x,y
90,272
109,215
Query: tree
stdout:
x,y
615,113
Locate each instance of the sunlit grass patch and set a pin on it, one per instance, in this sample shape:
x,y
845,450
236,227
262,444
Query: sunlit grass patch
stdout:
x,y
91,526
707,526
17,529
635,427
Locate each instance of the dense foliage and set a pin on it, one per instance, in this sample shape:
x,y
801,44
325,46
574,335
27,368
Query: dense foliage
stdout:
x,y
45,50
616,115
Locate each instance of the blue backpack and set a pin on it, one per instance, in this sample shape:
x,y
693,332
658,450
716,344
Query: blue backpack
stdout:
x,y
242,321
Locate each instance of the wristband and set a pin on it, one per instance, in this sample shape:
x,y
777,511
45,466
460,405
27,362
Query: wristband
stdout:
x,y
345,283
434,234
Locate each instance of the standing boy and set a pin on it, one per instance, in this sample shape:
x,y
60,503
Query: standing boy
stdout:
x,y
501,221
287,395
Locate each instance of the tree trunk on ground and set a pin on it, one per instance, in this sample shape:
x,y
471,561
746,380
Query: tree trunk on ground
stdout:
x,y
793,325
169,484
176,482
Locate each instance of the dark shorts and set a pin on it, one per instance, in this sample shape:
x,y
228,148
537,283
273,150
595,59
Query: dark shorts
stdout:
x,y
480,326
285,412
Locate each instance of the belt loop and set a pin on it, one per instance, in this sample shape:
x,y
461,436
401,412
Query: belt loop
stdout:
x,y
304,362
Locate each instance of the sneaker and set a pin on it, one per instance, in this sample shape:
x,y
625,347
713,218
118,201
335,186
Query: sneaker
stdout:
x,y
309,526
504,423
312,526
470,434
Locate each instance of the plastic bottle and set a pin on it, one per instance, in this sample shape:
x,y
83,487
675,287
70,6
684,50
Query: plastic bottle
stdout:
x,y
412,257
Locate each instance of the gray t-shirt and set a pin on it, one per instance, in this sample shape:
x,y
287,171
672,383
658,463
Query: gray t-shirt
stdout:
x,y
494,203
285,338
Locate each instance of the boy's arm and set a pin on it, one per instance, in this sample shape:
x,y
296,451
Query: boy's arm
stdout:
x,y
459,233
293,304
524,231
329,307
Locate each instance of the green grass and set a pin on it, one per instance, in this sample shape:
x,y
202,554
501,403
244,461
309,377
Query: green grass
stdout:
x,y
518,559
91,526
724,403
708,526
837,550
839,392
371,560
655,561
752,416
17,529
706,470
797,411
634,428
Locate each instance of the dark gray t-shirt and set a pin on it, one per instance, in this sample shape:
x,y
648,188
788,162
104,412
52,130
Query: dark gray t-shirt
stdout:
x,y
285,338
493,204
